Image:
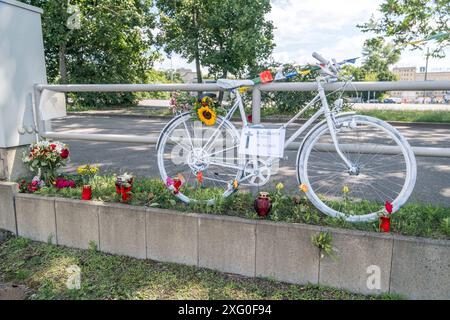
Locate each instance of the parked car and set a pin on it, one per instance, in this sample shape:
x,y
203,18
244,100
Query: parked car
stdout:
x,y
373,101
393,100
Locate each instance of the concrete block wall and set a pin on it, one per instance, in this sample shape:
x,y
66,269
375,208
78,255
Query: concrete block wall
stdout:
x,y
7,210
415,268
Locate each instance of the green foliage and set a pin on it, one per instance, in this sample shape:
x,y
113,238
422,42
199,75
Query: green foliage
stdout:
x,y
409,115
154,76
378,57
324,241
112,45
407,21
226,36
412,219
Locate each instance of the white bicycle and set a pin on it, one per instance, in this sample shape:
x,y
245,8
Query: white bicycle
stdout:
x,y
350,165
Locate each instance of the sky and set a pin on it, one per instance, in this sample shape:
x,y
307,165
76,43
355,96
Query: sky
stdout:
x,y
328,27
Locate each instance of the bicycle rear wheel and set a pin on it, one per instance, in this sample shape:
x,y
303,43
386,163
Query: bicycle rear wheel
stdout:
x,y
384,168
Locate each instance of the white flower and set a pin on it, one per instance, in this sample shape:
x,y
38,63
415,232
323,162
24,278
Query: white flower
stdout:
x,y
126,177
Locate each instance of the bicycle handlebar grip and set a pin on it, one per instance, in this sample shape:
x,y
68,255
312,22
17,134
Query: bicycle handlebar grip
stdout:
x,y
320,58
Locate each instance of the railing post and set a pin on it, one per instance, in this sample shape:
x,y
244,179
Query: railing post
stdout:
x,y
256,105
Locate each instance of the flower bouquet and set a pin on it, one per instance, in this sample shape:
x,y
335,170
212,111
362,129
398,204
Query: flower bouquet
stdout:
x,y
124,186
62,183
31,187
181,102
45,157
87,173
205,110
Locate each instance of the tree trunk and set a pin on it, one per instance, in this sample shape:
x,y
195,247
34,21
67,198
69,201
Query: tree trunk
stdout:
x,y
224,76
62,64
198,68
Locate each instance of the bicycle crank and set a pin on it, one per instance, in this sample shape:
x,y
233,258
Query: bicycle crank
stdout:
x,y
257,172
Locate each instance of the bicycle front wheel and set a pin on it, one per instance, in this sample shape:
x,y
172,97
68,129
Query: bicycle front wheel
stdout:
x,y
383,168
205,158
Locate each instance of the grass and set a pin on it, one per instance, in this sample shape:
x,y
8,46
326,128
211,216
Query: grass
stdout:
x,y
409,115
43,269
413,219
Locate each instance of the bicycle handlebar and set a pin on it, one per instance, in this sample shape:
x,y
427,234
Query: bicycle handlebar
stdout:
x,y
320,58
327,64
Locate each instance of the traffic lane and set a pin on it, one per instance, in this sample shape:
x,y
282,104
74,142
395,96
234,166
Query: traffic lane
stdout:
x,y
419,135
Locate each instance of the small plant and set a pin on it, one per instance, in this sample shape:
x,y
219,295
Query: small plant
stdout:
x,y
63,183
279,201
323,241
92,246
445,225
87,172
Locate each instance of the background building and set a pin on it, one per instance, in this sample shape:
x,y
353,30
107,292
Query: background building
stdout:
x,y
411,74
187,75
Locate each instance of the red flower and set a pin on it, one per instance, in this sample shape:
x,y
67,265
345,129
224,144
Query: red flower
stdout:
x,y
200,177
53,146
177,185
65,154
32,188
388,207
250,118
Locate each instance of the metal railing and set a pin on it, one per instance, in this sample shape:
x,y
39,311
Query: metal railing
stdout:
x,y
45,132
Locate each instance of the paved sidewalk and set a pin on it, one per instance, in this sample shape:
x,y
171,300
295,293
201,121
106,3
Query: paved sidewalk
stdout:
x,y
13,292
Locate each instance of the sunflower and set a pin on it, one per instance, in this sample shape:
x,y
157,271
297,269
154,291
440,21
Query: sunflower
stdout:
x,y
207,115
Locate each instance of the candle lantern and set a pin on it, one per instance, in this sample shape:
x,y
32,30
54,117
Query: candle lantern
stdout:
x,y
263,204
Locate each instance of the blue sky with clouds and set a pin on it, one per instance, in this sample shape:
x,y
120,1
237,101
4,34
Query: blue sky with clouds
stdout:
x,y
329,27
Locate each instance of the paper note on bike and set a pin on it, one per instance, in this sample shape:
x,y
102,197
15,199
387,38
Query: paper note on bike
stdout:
x,y
264,142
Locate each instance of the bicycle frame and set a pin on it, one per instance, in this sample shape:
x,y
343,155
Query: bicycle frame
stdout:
x,y
324,110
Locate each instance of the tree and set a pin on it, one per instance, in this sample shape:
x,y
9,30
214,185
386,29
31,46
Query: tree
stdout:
x,y
89,41
408,21
378,57
226,36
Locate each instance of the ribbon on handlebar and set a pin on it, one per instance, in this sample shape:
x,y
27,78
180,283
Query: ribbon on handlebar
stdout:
x,y
438,37
266,76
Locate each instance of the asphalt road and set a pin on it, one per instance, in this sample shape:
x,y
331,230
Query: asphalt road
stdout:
x,y
433,182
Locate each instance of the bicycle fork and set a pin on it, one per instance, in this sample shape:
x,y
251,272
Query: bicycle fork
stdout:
x,y
331,125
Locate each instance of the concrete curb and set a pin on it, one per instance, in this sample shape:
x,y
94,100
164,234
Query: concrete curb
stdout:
x,y
415,268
